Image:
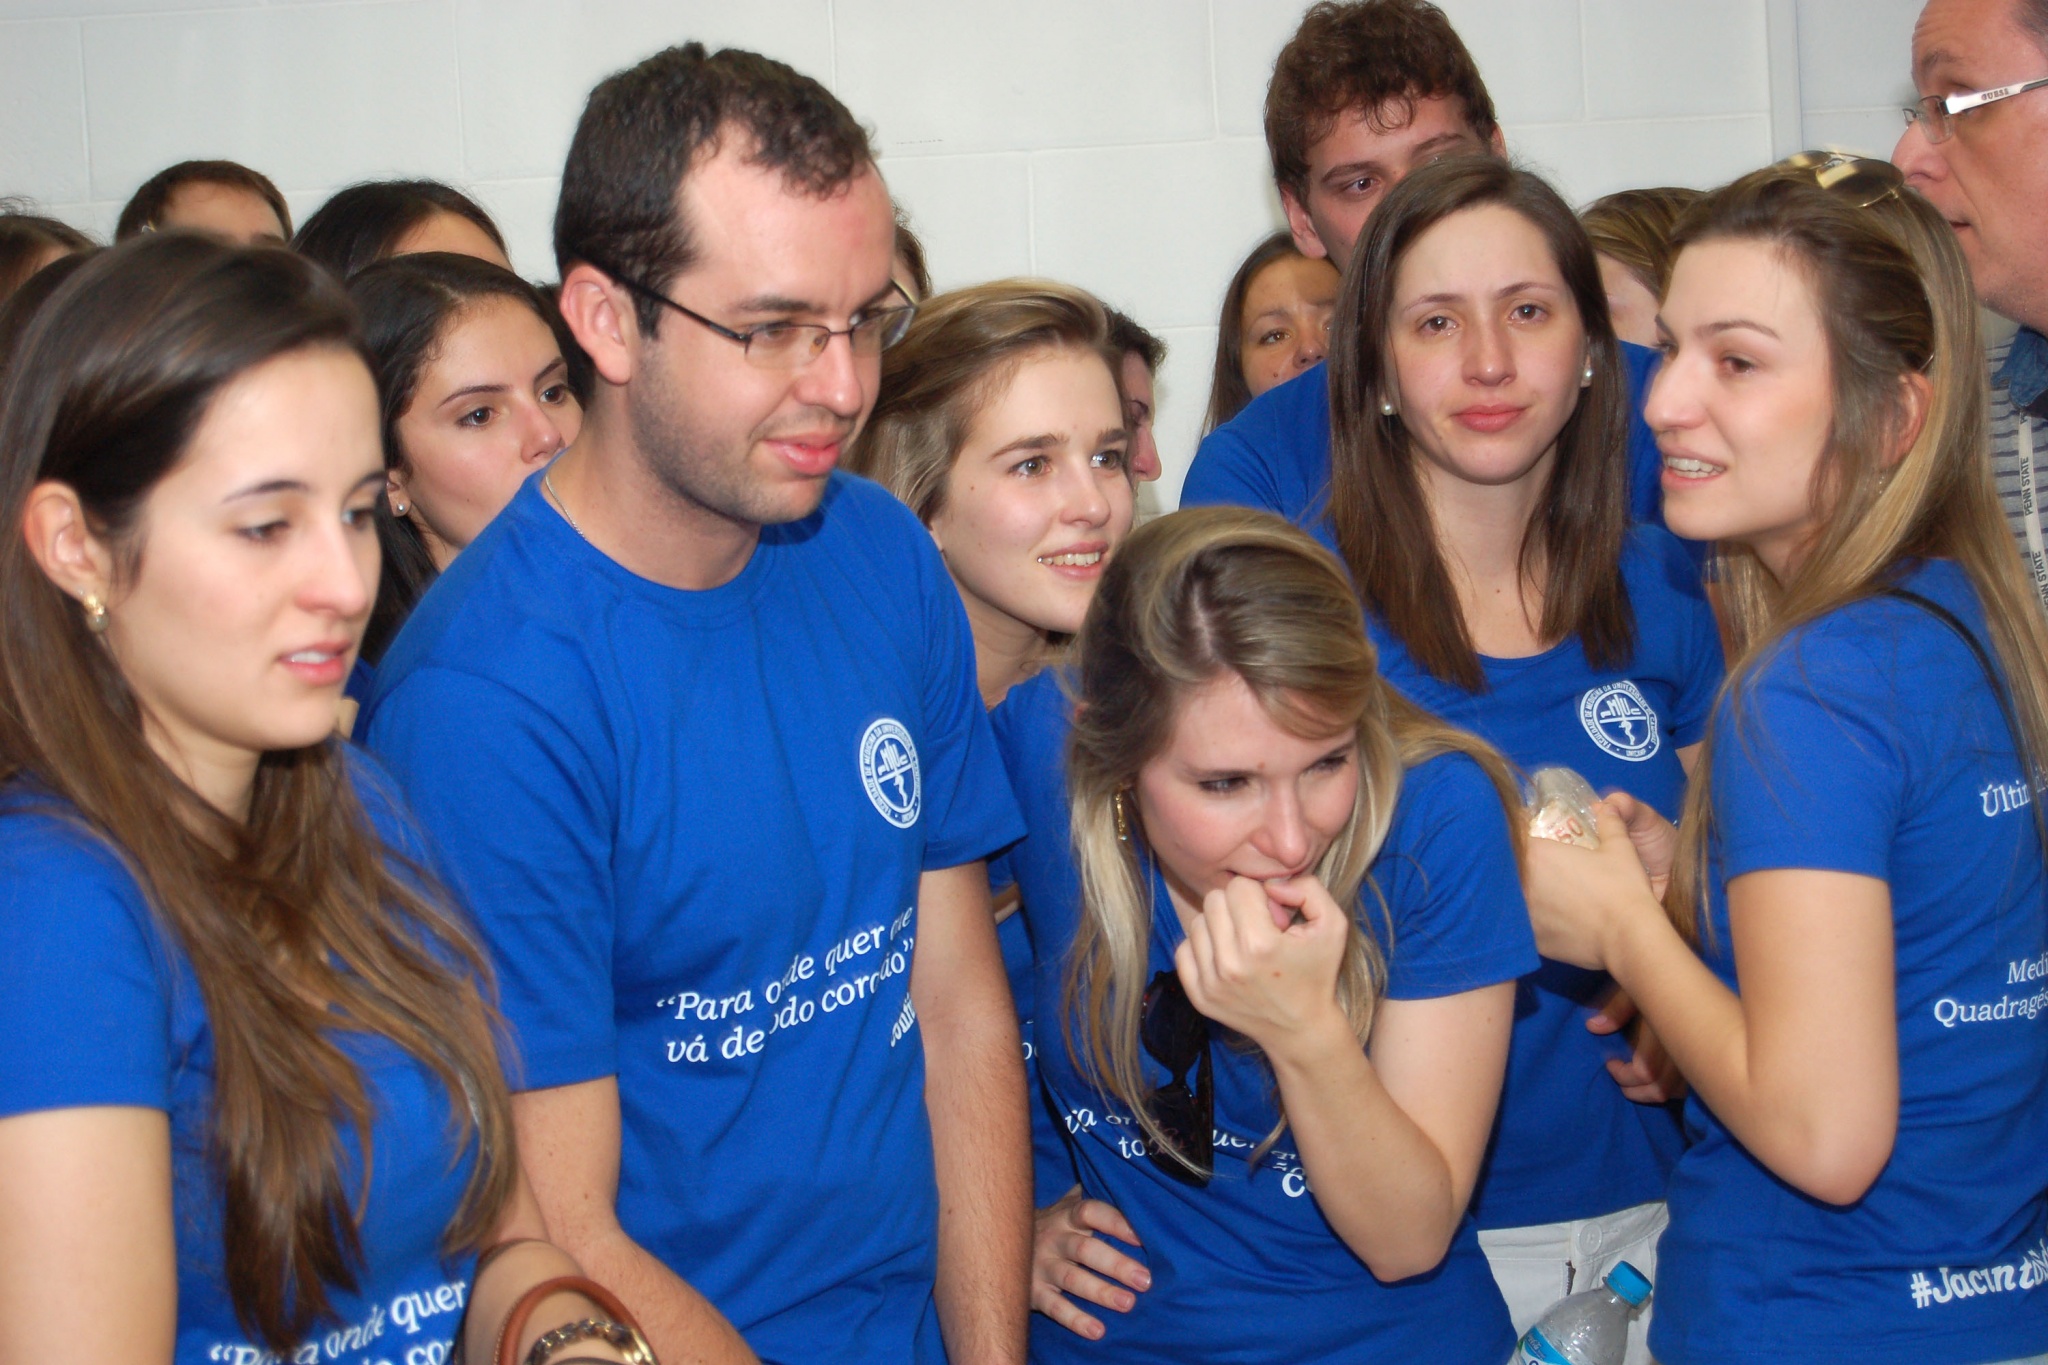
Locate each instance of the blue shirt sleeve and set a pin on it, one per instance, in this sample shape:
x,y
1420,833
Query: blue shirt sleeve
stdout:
x,y
1808,768
1227,471
85,979
523,826
970,811
1452,890
1703,665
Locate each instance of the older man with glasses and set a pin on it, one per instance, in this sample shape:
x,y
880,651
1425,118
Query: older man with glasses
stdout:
x,y
1976,144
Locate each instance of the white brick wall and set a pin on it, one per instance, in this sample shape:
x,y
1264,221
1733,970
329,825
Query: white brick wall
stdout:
x,y
1113,143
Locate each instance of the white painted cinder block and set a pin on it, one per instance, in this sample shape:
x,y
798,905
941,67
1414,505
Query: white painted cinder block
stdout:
x,y
1674,58
973,213
1856,54
42,109
524,211
1587,160
71,9
1866,132
1182,392
1155,230
528,66
1248,35
314,95
1529,54
940,76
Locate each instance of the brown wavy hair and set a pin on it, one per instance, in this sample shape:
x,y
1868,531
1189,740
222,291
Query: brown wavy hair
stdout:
x,y
301,922
1379,56
1573,542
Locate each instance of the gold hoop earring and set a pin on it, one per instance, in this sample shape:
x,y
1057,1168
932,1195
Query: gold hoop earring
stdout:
x,y
95,613
1123,821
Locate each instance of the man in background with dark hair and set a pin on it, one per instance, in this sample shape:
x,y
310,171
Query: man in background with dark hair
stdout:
x,y
1976,145
224,198
1143,354
695,723
1365,92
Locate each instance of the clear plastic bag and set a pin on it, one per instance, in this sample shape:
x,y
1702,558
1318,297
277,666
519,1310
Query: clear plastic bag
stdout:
x,y
1561,807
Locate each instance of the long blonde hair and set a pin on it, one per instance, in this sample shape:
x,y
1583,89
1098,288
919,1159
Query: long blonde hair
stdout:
x,y
1189,598
1894,296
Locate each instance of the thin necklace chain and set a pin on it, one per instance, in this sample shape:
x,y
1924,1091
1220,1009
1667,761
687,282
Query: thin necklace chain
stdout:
x,y
547,481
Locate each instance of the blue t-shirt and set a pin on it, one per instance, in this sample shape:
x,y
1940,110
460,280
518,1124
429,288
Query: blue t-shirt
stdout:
x,y
1568,1143
100,1006
692,826
1276,453
1870,742
1248,1269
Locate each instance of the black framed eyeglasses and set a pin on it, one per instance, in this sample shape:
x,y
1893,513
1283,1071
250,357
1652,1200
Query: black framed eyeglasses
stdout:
x,y
793,345
1936,114
1176,1036
1861,180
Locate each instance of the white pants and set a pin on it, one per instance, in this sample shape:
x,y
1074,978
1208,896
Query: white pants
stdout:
x,y
1537,1266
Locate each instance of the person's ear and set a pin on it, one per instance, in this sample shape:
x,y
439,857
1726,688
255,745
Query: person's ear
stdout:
x,y
63,544
395,494
1916,397
1497,142
1302,229
600,314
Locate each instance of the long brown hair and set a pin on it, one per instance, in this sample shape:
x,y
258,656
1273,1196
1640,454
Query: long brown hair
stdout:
x,y
1893,293
1572,545
301,921
1191,597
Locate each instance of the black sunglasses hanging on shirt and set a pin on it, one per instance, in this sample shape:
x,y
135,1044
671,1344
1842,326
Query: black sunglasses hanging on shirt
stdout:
x,y
1177,1037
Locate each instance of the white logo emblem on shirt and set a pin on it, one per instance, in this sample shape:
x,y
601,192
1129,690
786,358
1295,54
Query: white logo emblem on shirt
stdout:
x,y
1620,721
888,766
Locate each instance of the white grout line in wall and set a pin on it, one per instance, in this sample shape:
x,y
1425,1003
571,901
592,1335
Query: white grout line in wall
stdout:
x,y
1031,214
84,107
1215,87
832,39
461,122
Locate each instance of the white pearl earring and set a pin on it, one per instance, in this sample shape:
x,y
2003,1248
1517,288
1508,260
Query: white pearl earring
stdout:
x,y
1386,407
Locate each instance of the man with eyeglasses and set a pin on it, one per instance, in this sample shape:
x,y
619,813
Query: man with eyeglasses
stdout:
x,y
694,725
1976,144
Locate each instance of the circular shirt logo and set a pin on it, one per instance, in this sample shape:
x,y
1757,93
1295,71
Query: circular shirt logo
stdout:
x,y
1620,721
888,767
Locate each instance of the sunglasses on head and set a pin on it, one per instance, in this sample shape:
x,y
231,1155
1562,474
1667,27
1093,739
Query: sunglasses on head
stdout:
x,y
1860,180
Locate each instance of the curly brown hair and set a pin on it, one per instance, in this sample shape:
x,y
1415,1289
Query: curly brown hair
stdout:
x,y
1366,54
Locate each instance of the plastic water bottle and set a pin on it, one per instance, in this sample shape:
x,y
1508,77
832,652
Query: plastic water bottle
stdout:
x,y
1590,1327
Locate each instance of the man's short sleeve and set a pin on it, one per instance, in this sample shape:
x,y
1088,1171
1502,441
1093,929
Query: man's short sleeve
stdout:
x,y
520,816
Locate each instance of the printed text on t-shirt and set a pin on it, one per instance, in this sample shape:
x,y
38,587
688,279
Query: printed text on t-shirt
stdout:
x,y
804,991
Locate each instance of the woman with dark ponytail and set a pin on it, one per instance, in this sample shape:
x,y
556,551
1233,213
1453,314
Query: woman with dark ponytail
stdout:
x,y
251,1104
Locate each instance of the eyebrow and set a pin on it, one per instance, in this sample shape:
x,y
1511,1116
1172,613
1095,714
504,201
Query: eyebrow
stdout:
x,y
1737,324
783,303
270,487
1052,440
1506,291
472,390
